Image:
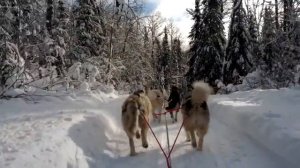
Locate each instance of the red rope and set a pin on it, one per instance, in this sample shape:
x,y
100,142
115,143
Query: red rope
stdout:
x,y
167,111
167,157
155,137
176,139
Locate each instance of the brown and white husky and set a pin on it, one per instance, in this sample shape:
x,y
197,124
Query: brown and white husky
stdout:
x,y
195,113
136,110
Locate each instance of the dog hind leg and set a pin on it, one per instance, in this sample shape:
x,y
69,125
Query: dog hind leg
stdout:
x,y
200,133
137,135
193,138
144,130
144,138
132,148
187,134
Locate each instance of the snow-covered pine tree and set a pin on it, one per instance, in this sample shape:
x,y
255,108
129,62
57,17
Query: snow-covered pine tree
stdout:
x,y
158,72
290,44
89,38
253,33
4,37
178,60
287,14
296,40
276,14
165,60
23,30
238,56
49,15
146,38
60,36
63,25
11,66
149,60
194,42
173,63
206,64
276,63
5,22
270,54
11,63
32,29
26,20
15,21
49,42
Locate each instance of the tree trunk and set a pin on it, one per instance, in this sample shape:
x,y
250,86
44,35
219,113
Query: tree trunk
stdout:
x,y
287,12
276,15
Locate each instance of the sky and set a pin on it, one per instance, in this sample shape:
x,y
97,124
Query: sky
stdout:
x,y
175,10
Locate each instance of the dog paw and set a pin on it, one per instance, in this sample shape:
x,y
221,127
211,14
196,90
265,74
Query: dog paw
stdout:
x,y
194,145
199,149
145,145
133,154
137,135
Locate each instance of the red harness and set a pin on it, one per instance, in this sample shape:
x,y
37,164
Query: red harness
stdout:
x,y
168,111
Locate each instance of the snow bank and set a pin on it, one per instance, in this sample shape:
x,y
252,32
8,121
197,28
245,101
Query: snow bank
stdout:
x,y
271,117
63,130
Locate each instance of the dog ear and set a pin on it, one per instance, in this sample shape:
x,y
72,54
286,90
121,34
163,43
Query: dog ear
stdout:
x,y
146,88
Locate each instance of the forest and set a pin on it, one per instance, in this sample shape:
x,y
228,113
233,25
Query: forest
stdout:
x,y
233,45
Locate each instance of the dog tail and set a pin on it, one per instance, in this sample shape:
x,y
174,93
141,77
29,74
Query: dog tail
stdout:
x,y
200,92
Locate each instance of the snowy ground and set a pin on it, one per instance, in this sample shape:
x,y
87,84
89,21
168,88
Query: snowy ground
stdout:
x,y
257,128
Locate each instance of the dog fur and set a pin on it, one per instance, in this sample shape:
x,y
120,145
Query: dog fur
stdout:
x,y
157,99
195,113
134,108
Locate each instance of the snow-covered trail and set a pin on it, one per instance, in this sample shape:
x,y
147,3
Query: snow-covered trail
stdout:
x,y
224,147
85,132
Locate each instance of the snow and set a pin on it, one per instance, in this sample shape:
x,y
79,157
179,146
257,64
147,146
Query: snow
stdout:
x,y
83,129
269,117
14,92
84,86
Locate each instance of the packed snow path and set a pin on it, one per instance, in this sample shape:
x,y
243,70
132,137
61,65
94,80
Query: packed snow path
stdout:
x,y
90,136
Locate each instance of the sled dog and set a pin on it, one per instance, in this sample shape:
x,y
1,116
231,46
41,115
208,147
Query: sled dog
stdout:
x,y
196,114
157,99
134,108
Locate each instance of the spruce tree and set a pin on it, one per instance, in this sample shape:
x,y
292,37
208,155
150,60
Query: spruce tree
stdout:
x,y
89,30
238,55
277,64
165,60
5,24
254,44
208,46
270,52
15,21
178,59
61,37
194,42
49,15
287,14
159,74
